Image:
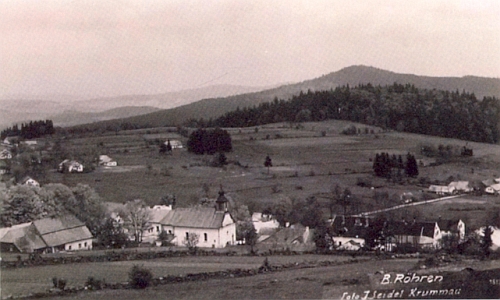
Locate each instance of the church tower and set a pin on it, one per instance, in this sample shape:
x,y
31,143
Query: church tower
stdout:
x,y
221,204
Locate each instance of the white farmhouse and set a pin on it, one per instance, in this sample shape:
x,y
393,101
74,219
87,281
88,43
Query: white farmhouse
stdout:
x,y
29,181
107,161
175,144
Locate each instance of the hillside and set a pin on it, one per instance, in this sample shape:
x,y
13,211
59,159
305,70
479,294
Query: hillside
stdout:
x,y
71,117
68,110
211,108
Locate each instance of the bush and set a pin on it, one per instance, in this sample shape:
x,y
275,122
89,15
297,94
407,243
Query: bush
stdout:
x,y
59,283
140,277
94,284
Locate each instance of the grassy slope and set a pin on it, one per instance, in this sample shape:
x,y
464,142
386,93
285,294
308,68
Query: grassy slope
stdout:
x,y
313,283
38,279
304,163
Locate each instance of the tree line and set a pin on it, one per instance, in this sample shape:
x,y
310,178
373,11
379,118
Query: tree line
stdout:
x,y
31,130
398,107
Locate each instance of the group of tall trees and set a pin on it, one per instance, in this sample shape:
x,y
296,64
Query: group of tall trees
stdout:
x,y
385,165
31,130
21,204
398,107
203,141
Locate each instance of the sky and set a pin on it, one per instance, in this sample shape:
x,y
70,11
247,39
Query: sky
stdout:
x,y
107,48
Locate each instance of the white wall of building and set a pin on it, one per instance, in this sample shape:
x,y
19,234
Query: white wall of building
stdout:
x,y
79,246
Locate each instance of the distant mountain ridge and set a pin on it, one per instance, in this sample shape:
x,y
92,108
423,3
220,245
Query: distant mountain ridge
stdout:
x,y
354,75
22,108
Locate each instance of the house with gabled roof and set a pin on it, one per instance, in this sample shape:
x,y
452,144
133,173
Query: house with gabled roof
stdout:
x,y
64,233
419,234
29,181
47,235
5,154
350,232
294,238
107,161
70,166
4,167
442,189
461,186
214,225
156,214
450,227
175,144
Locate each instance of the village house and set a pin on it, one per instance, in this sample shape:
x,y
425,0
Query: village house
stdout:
x,y
107,161
264,223
155,227
349,232
70,166
294,238
29,181
175,144
5,154
452,227
442,189
493,189
4,167
417,234
461,186
48,235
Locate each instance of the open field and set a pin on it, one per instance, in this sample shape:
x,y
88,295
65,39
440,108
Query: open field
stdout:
x,y
306,161
21,281
310,283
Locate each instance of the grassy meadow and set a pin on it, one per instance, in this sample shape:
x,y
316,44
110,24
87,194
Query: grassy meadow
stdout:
x,y
21,281
307,160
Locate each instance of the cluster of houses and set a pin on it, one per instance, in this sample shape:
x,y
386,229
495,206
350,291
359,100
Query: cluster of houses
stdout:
x,y
490,186
352,232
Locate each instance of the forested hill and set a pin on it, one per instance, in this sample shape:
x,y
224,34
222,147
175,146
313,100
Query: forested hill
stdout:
x,y
400,107
355,75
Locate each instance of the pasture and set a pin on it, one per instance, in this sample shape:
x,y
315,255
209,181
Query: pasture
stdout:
x,y
308,159
310,283
22,281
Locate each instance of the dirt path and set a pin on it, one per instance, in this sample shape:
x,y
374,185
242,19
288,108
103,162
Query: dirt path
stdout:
x,y
407,205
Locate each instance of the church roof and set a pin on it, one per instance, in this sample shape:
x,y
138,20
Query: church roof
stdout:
x,y
194,217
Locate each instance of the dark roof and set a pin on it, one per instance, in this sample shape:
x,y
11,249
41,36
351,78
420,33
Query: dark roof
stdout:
x,y
348,226
25,178
67,236
222,198
49,225
23,236
287,235
195,217
30,241
448,225
411,228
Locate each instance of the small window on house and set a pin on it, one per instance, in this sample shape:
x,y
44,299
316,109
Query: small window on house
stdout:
x,y
170,231
157,228
206,237
69,248
79,245
187,235
85,244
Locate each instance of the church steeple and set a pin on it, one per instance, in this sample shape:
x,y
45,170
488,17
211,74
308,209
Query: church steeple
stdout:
x,y
221,203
